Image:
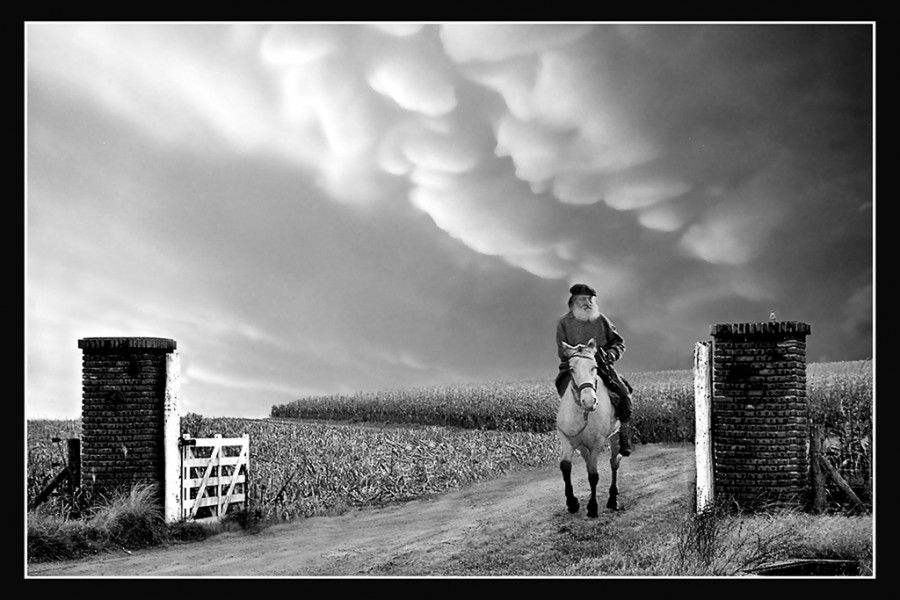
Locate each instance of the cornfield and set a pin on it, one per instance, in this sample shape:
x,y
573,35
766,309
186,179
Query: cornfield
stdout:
x,y
322,455
46,451
304,469
663,406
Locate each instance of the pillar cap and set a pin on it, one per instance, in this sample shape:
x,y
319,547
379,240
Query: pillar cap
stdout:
x,y
125,343
763,328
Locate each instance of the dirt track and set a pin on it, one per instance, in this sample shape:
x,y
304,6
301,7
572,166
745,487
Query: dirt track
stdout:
x,y
513,523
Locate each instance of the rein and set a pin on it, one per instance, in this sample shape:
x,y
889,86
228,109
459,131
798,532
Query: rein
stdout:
x,y
576,393
582,386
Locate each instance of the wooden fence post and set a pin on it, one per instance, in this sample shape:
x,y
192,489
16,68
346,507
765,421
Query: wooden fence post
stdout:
x,y
74,463
822,469
816,443
71,474
871,462
839,481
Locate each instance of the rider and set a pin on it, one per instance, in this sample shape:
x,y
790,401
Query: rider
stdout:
x,y
583,322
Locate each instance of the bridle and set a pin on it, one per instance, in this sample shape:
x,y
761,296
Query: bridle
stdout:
x,y
576,392
579,388
584,385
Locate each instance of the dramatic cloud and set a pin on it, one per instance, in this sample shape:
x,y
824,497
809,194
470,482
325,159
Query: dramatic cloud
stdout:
x,y
335,207
644,194
488,42
413,84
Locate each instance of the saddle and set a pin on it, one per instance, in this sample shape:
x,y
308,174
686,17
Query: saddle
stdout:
x,y
615,383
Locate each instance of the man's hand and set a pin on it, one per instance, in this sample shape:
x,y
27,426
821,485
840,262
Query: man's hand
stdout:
x,y
602,356
608,357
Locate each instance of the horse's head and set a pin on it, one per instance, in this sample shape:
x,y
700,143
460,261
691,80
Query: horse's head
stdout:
x,y
583,367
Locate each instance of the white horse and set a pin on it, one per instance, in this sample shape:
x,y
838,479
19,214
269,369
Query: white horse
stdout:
x,y
586,421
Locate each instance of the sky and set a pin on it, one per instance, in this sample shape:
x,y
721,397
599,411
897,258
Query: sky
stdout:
x,y
331,208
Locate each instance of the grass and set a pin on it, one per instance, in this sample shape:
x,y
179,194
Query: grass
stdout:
x,y
127,522
723,544
718,542
715,543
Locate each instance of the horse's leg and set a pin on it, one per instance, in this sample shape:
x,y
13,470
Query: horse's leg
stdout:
x,y
613,502
565,465
593,478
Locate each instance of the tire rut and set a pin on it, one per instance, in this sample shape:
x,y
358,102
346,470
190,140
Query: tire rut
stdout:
x,y
516,523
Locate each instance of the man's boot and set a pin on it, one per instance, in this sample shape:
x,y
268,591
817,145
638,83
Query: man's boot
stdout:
x,y
625,446
623,413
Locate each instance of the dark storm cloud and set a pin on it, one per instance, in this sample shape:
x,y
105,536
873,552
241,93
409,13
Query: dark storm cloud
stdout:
x,y
320,208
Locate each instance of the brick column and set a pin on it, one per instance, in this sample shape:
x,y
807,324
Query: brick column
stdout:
x,y
127,407
760,426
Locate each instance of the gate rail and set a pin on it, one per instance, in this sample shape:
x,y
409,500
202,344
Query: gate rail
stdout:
x,y
213,476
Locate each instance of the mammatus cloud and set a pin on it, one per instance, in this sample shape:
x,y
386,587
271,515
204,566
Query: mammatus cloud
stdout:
x,y
292,45
644,194
538,153
367,127
474,213
563,132
732,234
500,217
490,42
400,29
568,126
663,165
440,146
737,228
662,218
707,289
414,84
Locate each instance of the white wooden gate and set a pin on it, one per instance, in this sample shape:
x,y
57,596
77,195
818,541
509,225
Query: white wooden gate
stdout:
x,y
213,475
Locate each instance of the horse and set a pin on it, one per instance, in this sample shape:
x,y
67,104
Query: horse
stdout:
x,y
586,421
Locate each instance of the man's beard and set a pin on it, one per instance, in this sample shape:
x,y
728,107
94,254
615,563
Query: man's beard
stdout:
x,y
587,315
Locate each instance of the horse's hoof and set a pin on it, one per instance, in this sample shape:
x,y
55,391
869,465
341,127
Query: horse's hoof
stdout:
x,y
573,506
612,505
592,509
592,513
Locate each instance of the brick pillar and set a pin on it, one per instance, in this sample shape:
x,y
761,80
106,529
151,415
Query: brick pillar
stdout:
x,y
760,426
128,406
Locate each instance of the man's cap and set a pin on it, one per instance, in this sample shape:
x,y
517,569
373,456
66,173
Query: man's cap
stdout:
x,y
582,289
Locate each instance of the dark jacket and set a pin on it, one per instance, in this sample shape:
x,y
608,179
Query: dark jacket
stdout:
x,y
573,332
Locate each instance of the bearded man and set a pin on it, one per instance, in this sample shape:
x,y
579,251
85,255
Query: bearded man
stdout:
x,y
583,322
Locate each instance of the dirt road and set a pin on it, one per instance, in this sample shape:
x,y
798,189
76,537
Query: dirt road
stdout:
x,y
513,525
